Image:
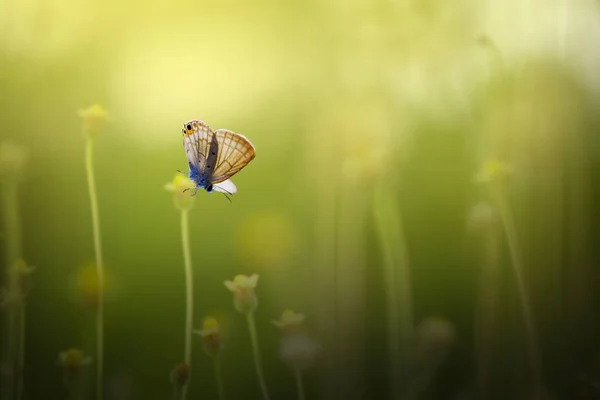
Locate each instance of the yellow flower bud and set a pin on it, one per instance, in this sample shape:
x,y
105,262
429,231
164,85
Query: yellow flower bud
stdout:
x,y
73,362
180,375
11,298
298,350
13,159
21,272
244,298
73,359
482,216
182,189
433,338
289,320
84,285
493,171
211,336
93,118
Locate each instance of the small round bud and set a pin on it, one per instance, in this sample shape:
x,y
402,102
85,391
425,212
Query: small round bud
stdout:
x,y
211,336
244,298
180,375
93,119
182,189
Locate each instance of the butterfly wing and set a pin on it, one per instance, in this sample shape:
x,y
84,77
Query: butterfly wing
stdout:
x,y
227,187
234,153
196,143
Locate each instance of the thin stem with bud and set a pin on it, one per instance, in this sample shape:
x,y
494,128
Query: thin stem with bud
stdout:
x,y
256,351
99,266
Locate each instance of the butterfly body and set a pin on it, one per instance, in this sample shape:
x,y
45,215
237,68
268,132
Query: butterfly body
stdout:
x,y
214,156
201,180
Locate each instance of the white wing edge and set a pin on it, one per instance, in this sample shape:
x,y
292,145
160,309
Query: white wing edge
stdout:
x,y
227,186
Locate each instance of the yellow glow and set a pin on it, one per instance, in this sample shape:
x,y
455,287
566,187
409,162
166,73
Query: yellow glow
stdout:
x,y
41,29
266,239
173,76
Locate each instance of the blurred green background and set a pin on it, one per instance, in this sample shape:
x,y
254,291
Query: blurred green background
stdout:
x,y
350,105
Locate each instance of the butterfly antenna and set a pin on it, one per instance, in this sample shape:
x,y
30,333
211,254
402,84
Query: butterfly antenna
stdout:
x,y
227,197
185,190
225,193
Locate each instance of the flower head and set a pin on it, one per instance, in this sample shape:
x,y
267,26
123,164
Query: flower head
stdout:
x,y
298,350
21,272
210,327
211,336
73,359
13,159
179,188
20,268
493,170
289,320
482,216
11,298
243,286
180,375
434,337
73,362
93,118
242,282
84,285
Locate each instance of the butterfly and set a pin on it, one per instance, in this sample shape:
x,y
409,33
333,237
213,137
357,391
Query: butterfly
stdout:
x,y
215,156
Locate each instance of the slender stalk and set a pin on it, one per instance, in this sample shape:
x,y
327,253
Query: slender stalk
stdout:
x,y
299,384
349,290
75,384
219,377
397,285
486,310
189,294
100,269
326,223
498,62
256,351
12,223
515,254
21,355
13,253
176,393
75,394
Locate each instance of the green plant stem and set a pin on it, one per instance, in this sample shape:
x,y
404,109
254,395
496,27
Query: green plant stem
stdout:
x,y
515,254
256,351
13,253
12,223
219,377
75,394
397,285
176,393
486,324
99,266
326,223
189,294
299,384
498,61
21,355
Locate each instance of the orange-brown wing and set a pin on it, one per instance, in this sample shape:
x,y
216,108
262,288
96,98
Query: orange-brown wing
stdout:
x,y
235,152
196,143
